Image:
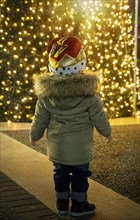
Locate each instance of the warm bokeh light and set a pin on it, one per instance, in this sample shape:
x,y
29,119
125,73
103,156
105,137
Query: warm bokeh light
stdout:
x,y
105,29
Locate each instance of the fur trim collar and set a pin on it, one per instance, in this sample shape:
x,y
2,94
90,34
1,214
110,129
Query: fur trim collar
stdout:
x,y
59,87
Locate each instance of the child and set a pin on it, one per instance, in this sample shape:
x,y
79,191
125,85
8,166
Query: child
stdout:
x,y
69,107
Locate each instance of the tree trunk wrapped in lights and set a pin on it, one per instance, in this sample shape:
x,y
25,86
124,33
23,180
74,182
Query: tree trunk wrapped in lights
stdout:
x,y
105,29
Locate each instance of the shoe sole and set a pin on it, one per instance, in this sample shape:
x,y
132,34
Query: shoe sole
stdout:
x,y
62,212
76,214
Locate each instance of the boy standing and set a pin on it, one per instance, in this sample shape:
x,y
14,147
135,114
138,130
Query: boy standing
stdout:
x,y
69,108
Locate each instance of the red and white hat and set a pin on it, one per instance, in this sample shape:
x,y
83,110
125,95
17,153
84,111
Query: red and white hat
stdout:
x,y
66,56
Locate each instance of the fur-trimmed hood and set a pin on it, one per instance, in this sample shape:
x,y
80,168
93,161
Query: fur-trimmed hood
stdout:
x,y
60,87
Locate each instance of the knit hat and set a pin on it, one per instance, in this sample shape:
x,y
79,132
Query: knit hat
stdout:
x,y
66,56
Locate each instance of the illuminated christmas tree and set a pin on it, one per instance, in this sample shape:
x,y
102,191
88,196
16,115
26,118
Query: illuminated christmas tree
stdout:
x,y
105,29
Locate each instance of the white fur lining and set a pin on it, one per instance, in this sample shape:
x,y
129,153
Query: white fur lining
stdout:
x,y
70,70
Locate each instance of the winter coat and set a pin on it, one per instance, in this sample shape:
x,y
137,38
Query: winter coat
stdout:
x,y
69,107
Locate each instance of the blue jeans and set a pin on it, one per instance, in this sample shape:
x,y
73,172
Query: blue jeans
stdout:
x,y
71,181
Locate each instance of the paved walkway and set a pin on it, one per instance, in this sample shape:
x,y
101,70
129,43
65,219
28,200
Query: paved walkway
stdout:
x,y
33,172
16,203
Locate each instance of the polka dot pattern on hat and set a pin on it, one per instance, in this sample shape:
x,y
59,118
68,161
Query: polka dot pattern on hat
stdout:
x,y
70,70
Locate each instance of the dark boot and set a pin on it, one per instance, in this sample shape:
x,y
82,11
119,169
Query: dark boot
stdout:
x,y
82,208
62,206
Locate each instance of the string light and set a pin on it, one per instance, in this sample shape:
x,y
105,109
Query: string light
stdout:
x,y
104,28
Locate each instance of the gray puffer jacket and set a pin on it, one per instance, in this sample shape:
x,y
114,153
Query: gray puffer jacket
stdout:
x,y
69,108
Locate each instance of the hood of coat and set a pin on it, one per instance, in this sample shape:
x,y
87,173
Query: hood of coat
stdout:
x,y
61,87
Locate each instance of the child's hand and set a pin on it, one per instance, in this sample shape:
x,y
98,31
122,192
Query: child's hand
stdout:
x,y
32,142
109,138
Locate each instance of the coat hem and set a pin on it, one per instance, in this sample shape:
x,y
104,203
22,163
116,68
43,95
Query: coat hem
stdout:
x,y
71,163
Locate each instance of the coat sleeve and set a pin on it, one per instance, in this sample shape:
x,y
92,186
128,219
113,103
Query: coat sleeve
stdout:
x,y
98,117
40,121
